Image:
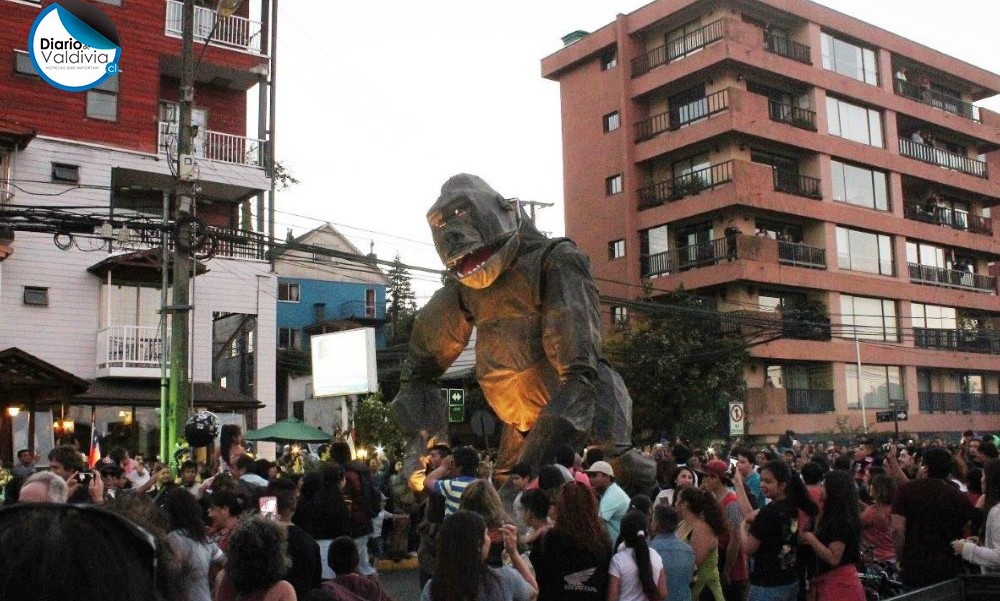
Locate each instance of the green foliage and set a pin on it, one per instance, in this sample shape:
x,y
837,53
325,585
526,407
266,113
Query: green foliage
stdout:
x,y
680,370
283,178
375,425
401,304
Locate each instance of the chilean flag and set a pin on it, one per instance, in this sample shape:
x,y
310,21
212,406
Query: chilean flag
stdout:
x,y
95,450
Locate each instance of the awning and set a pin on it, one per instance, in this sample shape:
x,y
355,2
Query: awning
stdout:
x,y
140,266
26,378
146,393
15,135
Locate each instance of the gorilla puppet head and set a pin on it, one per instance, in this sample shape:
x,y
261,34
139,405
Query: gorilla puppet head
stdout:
x,y
475,230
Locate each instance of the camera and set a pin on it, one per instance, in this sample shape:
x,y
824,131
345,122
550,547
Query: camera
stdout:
x,y
84,477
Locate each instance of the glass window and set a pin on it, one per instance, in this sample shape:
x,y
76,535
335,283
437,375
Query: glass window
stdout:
x,y
864,251
616,249
869,318
609,60
879,384
854,122
619,314
849,59
934,316
23,64
288,338
859,186
612,121
62,172
654,244
926,254
34,295
102,101
288,292
613,185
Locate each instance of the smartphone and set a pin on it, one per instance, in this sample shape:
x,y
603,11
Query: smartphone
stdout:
x,y
269,507
732,466
85,477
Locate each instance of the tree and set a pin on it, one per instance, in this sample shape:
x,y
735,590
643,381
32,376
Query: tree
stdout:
x,y
375,425
680,368
401,304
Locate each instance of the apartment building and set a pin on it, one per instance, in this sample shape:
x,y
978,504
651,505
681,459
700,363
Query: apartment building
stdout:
x,y
83,308
827,180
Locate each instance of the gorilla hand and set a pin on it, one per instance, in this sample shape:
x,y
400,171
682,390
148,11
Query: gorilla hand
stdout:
x,y
422,415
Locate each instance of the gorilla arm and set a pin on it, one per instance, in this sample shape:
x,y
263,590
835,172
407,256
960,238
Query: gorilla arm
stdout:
x,y
440,332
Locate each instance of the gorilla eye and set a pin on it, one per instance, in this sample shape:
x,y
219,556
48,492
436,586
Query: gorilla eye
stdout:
x,y
459,212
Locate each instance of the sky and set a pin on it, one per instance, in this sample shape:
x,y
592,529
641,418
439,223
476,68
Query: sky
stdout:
x,y
380,101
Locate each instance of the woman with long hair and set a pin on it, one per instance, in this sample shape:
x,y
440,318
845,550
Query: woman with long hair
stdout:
x,y
256,563
683,477
571,558
480,497
986,554
460,570
704,524
770,535
322,511
837,542
876,519
635,573
198,559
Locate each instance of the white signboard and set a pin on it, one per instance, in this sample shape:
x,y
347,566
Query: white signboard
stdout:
x,y
737,418
344,363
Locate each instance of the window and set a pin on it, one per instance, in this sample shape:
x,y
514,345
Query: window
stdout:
x,y
371,308
619,315
61,172
616,249
289,338
321,258
854,122
692,174
102,101
37,296
869,318
112,2
927,255
23,64
771,301
612,121
879,385
613,185
288,292
934,317
849,60
860,186
609,60
654,244
864,251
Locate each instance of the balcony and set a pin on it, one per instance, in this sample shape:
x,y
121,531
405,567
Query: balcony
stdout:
x,y
800,401
801,255
944,102
362,311
782,46
130,351
687,114
942,158
792,115
790,182
235,32
675,49
236,244
964,402
958,220
952,278
688,184
966,341
216,146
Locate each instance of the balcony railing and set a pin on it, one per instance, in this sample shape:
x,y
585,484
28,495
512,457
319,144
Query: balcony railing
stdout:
x,y
790,253
938,100
678,117
781,45
130,347
235,32
688,257
959,220
675,49
216,146
362,310
790,182
800,401
237,244
952,278
686,185
968,341
965,402
792,115
942,158
809,401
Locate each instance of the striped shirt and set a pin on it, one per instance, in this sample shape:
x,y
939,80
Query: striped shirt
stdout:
x,y
451,489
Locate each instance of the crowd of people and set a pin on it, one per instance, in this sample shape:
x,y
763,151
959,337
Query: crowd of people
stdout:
x,y
784,522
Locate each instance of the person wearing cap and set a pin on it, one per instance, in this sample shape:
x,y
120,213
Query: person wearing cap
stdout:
x,y
715,479
614,501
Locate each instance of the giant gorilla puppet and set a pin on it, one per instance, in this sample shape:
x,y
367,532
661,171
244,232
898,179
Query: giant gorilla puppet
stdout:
x,y
538,359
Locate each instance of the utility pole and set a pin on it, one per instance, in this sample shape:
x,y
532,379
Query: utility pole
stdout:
x,y
533,203
183,210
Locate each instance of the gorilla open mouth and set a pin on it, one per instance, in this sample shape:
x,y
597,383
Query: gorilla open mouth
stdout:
x,y
472,262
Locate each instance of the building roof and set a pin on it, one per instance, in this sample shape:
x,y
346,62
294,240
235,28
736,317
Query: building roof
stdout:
x,y
22,371
346,263
141,266
146,392
13,133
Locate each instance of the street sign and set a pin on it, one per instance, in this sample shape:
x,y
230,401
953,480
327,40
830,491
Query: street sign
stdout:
x,y
456,396
456,413
737,418
456,404
891,416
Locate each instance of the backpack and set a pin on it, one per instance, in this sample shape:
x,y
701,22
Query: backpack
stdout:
x,y
369,496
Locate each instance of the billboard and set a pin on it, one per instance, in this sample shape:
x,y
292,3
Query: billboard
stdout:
x,y
344,363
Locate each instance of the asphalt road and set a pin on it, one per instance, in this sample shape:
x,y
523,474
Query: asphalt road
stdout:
x,y
403,585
